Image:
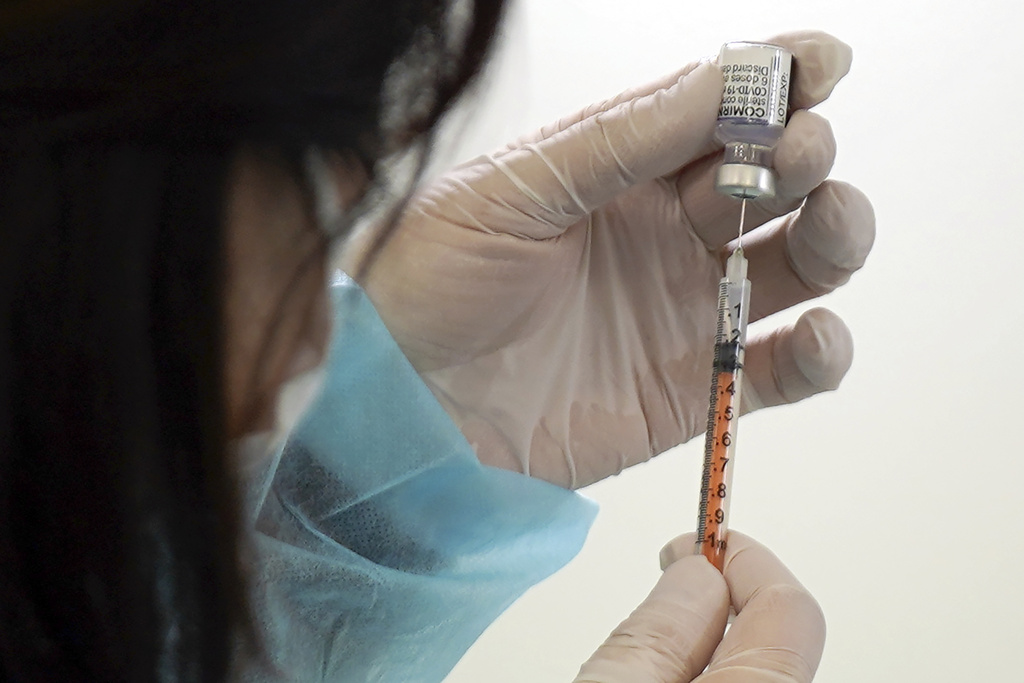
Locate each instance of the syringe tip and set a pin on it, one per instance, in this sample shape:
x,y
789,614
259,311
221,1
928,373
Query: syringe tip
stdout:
x,y
736,266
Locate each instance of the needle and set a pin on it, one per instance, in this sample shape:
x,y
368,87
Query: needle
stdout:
x,y
743,216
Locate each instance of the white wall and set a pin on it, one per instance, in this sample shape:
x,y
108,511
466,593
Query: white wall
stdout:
x,y
898,499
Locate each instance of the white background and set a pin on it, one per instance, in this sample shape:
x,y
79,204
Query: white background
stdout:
x,y
898,499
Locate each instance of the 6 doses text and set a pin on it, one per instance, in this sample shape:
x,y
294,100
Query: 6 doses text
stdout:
x,y
748,92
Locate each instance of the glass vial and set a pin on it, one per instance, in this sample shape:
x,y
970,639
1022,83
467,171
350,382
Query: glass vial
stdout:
x,y
755,100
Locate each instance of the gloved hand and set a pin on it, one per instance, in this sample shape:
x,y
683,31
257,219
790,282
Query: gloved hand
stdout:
x,y
559,296
778,634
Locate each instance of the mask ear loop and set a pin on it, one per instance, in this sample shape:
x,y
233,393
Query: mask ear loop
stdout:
x,y
256,454
327,204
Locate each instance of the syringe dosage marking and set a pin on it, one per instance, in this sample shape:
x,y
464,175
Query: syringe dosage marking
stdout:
x,y
723,411
717,486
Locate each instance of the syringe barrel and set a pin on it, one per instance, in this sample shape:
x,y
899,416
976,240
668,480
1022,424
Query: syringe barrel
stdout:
x,y
723,410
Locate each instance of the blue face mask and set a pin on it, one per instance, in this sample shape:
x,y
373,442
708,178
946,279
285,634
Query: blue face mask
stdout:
x,y
381,548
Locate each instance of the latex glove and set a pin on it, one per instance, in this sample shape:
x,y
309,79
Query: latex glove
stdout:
x,y
777,636
559,296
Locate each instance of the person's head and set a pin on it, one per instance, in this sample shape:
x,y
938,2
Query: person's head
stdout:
x,y
162,271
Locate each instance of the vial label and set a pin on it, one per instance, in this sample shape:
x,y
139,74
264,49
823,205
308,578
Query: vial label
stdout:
x,y
757,81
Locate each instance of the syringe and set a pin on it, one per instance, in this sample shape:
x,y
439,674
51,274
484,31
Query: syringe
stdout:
x,y
724,409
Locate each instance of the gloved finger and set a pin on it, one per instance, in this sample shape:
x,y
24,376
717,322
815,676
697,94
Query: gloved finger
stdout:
x,y
671,635
811,251
803,159
822,61
556,181
794,362
779,631
645,90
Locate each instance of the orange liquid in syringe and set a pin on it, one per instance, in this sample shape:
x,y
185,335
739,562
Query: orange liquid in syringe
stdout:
x,y
717,488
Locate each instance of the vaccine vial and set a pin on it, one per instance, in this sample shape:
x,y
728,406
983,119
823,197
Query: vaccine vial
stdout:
x,y
755,100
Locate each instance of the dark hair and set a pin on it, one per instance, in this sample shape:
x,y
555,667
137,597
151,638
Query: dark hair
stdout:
x,y
119,119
